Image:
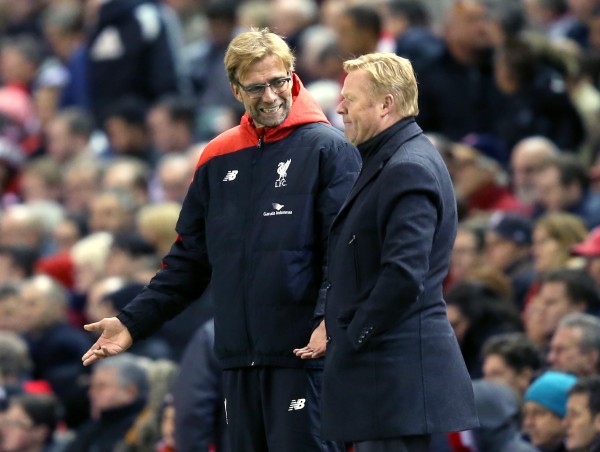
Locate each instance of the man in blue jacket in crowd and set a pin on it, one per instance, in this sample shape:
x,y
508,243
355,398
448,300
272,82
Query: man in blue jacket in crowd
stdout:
x,y
255,224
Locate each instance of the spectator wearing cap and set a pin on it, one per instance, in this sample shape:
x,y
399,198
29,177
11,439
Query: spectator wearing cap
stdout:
x,y
575,346
498,412
590,250
545,407
508,248
488,145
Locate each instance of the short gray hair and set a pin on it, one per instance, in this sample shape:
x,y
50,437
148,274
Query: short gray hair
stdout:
x,y
590,330
15,360
130,372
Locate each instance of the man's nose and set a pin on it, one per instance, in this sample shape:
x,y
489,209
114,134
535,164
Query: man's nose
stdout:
x,y
269,94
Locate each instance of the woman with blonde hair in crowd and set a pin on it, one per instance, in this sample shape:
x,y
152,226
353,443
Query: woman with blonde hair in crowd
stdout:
x,y
156,223
553,236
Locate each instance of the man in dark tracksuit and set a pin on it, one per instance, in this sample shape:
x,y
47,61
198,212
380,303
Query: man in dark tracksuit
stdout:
x,y
255,224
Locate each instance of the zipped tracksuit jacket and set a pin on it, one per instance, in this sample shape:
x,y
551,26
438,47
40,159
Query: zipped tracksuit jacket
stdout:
x,y
255,224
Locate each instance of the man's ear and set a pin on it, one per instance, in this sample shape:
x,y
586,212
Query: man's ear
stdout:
x,y
235,89
388,104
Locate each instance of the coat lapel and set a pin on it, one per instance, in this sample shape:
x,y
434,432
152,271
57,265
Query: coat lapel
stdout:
x,y
376,163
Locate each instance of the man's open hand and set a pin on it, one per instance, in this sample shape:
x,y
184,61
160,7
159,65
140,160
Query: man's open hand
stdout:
x,y
115,338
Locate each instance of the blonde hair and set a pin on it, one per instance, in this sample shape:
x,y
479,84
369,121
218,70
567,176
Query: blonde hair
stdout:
x,y
92,251
252,46
390,74
565,228
160,219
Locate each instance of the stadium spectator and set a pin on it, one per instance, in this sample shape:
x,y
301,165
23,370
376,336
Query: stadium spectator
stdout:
x,y
30,423
118,392
513,360
575,346
544,409
581,420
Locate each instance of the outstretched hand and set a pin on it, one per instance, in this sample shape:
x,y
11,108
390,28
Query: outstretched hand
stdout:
x,y
316,346
115,338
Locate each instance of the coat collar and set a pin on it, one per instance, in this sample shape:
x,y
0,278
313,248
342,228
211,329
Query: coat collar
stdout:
x,y
378,150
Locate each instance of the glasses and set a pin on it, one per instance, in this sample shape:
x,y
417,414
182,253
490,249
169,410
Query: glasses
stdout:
x,y
277,85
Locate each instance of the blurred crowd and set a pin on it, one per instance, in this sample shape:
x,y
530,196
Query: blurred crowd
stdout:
x,y
105,107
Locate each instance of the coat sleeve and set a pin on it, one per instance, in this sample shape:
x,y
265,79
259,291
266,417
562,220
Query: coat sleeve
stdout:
x,y
185,272
338,171
407,219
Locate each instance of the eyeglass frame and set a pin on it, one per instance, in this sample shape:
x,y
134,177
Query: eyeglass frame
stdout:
x,y
287,79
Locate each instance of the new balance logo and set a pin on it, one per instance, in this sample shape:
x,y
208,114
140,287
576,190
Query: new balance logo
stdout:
x,y
297,404
230,175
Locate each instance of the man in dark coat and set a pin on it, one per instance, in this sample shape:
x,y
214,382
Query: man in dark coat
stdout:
x,y
393,369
